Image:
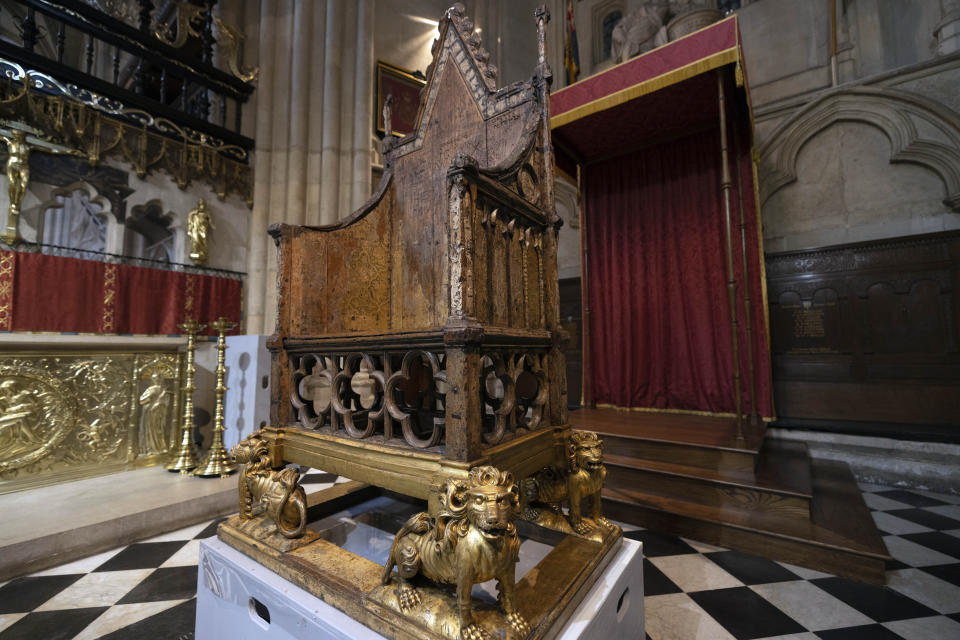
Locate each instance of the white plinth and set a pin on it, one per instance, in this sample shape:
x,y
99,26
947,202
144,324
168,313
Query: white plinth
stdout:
x,y
228,582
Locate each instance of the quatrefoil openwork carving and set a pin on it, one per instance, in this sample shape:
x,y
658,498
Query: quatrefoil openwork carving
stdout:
x,y
311,392
358,394
514,392
415,396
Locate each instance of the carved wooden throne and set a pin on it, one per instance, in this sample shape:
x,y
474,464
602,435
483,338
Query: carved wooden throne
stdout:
x,y
419,338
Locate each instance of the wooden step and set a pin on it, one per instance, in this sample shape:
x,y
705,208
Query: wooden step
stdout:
x,y
741,490
839,538
685,453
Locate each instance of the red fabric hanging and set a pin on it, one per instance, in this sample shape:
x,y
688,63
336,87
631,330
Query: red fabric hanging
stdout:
x,y
659,325
53,293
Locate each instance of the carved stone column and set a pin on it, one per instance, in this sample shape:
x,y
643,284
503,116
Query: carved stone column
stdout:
x,y
313,116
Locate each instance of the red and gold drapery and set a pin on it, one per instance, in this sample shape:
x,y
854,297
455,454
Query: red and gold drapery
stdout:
x,y
645,137
40,292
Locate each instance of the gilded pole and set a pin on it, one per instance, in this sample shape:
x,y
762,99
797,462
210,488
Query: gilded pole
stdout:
x,y
218,462
726,187
186,459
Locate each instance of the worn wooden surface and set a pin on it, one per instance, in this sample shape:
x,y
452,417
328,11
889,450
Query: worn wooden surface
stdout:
x,y
429,317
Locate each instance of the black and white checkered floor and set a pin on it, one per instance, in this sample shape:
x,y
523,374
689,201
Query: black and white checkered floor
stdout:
x,y
693,590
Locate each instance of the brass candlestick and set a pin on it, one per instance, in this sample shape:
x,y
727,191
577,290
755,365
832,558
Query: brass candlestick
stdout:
x,y
186,459
218,462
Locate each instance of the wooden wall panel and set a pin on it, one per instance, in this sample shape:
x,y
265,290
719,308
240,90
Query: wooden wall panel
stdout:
x,y
866,336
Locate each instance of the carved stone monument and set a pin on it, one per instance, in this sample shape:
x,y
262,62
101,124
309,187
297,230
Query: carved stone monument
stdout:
x,y
419,351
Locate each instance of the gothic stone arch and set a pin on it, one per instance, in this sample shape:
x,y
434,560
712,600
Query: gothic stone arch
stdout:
x,y
921,131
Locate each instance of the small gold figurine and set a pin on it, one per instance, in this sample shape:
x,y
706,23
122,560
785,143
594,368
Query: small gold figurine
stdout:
x,y
18,173
470,540
153,420
199,224
270,501
547,490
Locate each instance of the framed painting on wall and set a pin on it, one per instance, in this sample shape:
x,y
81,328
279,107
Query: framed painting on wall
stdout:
x,y
405,87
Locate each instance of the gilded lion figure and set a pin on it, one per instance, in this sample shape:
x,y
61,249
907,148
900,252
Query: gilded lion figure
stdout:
x,y
552,487
275,495
471,539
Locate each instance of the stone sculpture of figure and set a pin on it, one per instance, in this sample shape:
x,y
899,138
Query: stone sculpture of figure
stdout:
x,y
199,224
640,31
153,419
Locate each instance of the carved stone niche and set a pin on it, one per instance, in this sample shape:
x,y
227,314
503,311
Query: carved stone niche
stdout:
x,y
419,350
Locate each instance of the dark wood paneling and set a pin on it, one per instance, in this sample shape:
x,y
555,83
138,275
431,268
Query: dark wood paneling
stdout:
x,y
868,333
571,308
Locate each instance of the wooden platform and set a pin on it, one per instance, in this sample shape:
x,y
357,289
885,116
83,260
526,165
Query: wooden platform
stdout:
x,y
692,476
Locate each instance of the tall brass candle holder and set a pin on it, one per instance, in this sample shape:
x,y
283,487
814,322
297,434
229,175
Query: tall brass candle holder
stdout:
x,y
218,462
186,459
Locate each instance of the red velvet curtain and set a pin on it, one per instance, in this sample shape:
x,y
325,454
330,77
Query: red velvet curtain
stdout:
x,y
660,334
40,292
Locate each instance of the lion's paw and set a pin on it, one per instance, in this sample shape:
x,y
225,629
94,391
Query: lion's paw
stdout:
x,y
518,623
408,598
603,522
583,527
473,631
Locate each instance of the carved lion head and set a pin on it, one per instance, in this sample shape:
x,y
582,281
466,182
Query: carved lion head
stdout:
x,y
586,451
253,448
488,499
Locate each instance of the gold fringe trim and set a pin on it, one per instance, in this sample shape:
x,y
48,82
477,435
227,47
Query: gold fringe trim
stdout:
x,y
656,83
687,412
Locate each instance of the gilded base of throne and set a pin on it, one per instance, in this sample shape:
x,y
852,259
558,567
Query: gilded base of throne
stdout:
x,y
546,596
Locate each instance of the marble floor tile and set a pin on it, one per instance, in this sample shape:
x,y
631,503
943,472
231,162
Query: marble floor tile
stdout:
x,y
751,569
879,503
932,628
949,510
867,487
175,623
142,555
745,614
23,595
121,616
810,605
168,583
210,530
702,547
51,625
803,572
865,632
655,583
694,572
188,555
96,590
83,565
187,533
881,604
938,541
913,498
913,554
927,517
939,595
660,544
674,616
7,619
948,572
792,636
950,498
888,523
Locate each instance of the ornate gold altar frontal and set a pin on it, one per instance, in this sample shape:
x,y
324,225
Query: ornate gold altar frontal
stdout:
x,y
419,352
74,414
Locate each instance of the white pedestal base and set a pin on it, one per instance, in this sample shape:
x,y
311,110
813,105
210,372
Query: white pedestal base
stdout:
x,y
229,584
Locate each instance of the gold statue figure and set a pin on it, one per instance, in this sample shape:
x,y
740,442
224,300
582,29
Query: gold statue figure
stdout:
x,y
471,539
270,501
549,488
153,420
18,173
199,224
